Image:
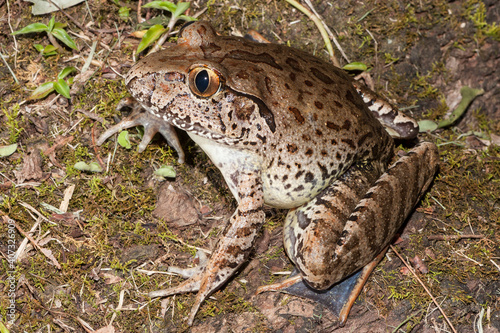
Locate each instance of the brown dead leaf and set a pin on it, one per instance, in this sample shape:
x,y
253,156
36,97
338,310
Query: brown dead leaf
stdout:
x,y
404,270
61,141
175,207
48,254
5,186
398,240
429,210
110,278
419,264
32,167
430,253
473,142
495,139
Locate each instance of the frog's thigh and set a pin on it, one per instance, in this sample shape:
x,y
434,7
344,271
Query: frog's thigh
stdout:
x,y
312,231
334,235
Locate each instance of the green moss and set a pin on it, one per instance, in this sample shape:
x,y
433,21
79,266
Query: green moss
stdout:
x,y
476,12
12,122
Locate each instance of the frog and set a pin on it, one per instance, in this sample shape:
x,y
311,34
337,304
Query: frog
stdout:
x,y
291,131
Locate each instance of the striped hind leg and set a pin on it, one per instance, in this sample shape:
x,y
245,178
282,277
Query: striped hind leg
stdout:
x,y
334,236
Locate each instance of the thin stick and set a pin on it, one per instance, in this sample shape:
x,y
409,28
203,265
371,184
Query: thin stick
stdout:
x,y
330,33
423,285
321,28
8,67
452,237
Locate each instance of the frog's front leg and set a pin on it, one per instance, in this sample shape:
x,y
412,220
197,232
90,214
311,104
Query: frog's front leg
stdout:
x,y
151,124
353,220
233,247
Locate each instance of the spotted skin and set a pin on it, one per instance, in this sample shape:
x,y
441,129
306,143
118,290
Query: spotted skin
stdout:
x,y
286,130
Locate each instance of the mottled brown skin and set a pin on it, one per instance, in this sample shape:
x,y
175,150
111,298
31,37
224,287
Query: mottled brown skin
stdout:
x,y
291,131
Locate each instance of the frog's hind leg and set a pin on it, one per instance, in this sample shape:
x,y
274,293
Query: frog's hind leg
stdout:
x,y
352,221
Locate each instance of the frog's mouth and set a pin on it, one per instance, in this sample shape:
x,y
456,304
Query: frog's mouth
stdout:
x,y
197,129
186,124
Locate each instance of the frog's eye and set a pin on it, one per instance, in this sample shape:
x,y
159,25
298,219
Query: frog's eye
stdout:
x,y
204,82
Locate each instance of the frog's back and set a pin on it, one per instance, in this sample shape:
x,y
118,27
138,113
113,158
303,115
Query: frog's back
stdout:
x,y
317,124
299,116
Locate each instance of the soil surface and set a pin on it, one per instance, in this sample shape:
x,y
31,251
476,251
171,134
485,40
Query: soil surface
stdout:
x,y
91,245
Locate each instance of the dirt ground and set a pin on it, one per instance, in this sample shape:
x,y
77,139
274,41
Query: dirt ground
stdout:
x,y
89,265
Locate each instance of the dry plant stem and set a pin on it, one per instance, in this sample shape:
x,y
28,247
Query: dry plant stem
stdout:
x,y
40,215
330,33
192,246
139,6
376,46
453,237
91,115
8,67
494,263
35,245
99,159
321,28
53,40
423,285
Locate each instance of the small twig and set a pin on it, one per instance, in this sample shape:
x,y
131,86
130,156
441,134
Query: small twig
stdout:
x,y
12,31
437,201
474,261
423,285
494,263
91,115
40,215
321,28
38,247
330,33
191,246
85,325
59,144
8,67
148,272
53,40
139,7
452,237
376,46
99,159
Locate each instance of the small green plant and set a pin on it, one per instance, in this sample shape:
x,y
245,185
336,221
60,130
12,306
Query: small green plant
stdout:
x,y
478,16
59,85
468,95
12,122
355,67
124,13
389,58
8,150
156,31
54,29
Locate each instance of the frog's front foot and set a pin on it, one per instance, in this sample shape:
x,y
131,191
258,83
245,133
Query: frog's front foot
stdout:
x,y
152,125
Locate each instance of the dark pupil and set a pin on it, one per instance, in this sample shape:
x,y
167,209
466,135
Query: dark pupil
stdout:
x,y
202,80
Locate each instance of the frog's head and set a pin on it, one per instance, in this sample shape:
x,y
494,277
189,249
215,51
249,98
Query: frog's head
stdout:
x,y
189,86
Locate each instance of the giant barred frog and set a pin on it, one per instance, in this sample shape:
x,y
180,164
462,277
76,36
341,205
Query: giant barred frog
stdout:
x,y
287,130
